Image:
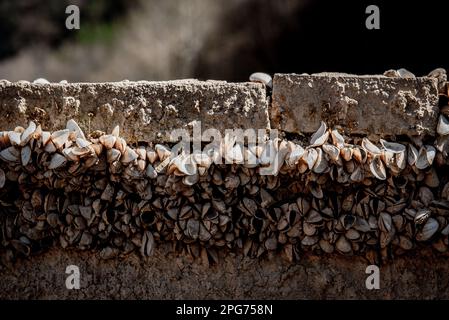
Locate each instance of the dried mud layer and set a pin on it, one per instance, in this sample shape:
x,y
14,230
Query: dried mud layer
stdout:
x,y
282,219
173,276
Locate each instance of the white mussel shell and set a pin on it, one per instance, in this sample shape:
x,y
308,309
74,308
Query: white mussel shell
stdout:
x,y
262,78
25,155
404,73
116,131
10,154
431,153
129,155
57,160
370,147
321,163
162,151
357,175
60,137
113,155
332,151
141,152
388,157
400,160
108,140
296,152
190,180
320,136
426,156
151,172
385,222
337,139
392,147
359,154
28,133
442,144
412,154
443,126
77,151
74,127
377,168
50,147
310,156
68,153
45,137
151,155
346,153
186,165
428,230
173,165
14,137
41,81
120,144
82,143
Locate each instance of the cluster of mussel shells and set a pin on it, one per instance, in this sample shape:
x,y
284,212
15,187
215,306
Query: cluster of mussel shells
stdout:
x,y
338,194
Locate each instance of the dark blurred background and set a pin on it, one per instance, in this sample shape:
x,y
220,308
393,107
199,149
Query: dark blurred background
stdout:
x,y
216,39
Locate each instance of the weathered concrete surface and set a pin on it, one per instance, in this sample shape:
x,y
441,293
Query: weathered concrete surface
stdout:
x,y
166,276
144,110
359,104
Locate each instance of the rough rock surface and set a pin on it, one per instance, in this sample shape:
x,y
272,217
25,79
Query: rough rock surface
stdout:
x,y
359,104
144,110
167,276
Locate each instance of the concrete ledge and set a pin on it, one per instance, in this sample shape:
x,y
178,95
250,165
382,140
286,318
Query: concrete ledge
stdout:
x,y
144,110
360,104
